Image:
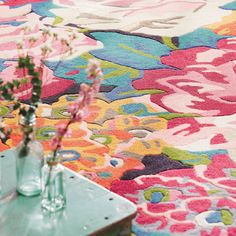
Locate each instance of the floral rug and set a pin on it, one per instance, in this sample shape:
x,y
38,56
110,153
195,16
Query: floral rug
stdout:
x,y
162,130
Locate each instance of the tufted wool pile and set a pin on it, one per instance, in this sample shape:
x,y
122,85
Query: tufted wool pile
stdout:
x,y
162,130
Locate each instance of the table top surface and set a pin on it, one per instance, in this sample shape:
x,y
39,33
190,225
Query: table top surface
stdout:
x,y
90,208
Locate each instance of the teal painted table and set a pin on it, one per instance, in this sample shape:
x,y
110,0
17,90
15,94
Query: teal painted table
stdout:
x,y
91,210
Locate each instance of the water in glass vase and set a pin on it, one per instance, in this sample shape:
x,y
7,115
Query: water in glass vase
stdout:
x,y
28,168
53,194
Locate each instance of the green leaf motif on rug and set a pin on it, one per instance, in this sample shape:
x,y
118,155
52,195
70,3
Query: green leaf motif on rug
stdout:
x,y
130,50
167,41
84,30
186,157
112,71
104,139
45,133
230,6
121,77
118,70
57,20
169,116
199,37
149,192
213,191
139,52
227,217
233,173
144,91
60,112
118,77
3,110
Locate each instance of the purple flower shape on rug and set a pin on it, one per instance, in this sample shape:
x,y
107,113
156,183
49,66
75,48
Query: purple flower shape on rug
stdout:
x,y
154,164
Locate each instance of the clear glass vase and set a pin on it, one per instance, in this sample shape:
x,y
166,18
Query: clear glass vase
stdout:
x,y
29,161
53,190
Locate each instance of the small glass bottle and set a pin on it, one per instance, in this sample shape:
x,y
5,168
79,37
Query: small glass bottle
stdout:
x,y
53,190
29,160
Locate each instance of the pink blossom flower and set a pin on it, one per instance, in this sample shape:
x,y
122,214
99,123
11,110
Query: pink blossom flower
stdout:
x,y
94,69
96,85
78,116
61,129
84,88
68,133
55,143
73,108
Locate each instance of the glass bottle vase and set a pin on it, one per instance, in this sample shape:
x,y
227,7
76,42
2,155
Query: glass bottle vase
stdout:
x,y
29,162
53,190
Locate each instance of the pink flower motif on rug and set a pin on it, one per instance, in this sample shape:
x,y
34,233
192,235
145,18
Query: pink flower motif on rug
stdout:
x,y
202,80
171,199
21,2
59,84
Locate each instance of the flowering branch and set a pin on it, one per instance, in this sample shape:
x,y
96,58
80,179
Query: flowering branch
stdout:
x,y
77,109
62,45
30,71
